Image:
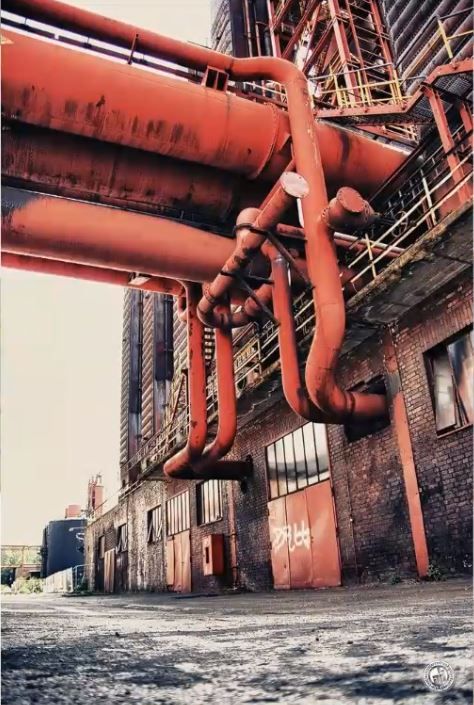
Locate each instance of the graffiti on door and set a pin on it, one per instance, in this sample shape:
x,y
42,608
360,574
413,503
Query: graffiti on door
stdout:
x,y
293,535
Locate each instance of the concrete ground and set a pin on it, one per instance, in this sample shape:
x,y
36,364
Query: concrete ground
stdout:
x,y
363,645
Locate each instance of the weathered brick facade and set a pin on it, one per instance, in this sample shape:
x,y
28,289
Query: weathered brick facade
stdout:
x,y
375,539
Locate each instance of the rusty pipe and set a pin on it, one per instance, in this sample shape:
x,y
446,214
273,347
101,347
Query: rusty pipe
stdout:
x,y
89,234
249,241
175,118
226,406
101,275
348,211
293,386
178,466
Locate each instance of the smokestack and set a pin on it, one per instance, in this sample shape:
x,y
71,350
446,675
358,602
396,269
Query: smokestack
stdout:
x,y
73,511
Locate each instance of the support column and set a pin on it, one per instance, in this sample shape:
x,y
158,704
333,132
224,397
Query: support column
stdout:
x,y
401,428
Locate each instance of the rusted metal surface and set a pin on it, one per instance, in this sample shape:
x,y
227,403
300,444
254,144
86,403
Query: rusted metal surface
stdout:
x,y
402,433
305,549
109,571
95,274
251,235
83,233
299,542
279,543
180,465
326,564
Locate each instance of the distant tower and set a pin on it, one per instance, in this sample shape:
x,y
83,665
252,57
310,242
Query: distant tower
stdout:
x,y
95,496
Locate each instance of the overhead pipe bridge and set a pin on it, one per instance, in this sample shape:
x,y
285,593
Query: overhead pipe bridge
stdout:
x,y
116,174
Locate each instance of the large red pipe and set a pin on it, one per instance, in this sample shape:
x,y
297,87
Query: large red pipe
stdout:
x,y
84,233
174,118
320,251
77,167
93,274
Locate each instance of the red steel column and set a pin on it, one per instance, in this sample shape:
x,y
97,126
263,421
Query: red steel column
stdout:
x,y
399,416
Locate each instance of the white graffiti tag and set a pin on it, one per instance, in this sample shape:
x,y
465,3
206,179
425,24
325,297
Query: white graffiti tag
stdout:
x,y
292,534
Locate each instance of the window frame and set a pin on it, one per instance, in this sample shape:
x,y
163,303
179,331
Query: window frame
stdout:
x,y
179,519
122,538
154,524
204,517
461,415
299,481
101,546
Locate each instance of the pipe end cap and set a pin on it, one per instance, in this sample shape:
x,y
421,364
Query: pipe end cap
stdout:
x,y
294,185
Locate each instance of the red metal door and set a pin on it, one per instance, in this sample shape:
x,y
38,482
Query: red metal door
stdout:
x,y
185,561
170,562
279,542
178,562
324,544
299,541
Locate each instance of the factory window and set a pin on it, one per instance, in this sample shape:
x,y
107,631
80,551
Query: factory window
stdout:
x,y
209,501
101,547
450,368
154,524
177,514
297,460
355,430
122,538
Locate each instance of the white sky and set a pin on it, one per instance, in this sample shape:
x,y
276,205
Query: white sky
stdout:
x,y
61,349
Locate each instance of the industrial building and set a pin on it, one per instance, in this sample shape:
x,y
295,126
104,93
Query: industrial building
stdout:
x,y
297,256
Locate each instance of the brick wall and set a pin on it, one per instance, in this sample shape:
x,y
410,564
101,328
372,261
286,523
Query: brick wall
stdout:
x,y
371,508
444,463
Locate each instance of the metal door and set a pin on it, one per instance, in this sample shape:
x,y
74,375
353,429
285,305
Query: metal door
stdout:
x,y
299,541
109,570
279,543
178,562
324,543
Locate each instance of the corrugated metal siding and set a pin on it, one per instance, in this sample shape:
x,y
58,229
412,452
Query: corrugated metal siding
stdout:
x,y
125,377
147,406
221,30
412,25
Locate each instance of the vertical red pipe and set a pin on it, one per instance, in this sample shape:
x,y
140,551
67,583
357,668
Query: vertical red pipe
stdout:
x,y
179,464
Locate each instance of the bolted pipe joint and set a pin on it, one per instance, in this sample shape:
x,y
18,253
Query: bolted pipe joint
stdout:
x,y
348,211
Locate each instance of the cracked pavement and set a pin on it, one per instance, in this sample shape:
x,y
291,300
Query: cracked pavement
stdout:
x,y
364,645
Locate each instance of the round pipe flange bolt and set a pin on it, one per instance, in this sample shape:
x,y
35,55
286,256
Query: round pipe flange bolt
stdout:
x,y
294,185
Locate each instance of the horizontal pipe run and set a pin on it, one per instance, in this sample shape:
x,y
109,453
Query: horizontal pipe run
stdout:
x,y
77,167
93,274
175,118
84,233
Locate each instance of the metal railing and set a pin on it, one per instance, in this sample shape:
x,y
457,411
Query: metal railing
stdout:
x,y
425,199
429,192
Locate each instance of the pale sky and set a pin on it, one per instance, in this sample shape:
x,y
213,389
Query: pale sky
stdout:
x,y
61,349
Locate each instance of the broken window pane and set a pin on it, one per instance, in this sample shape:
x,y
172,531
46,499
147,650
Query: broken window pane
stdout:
x,y
462,361
445,406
